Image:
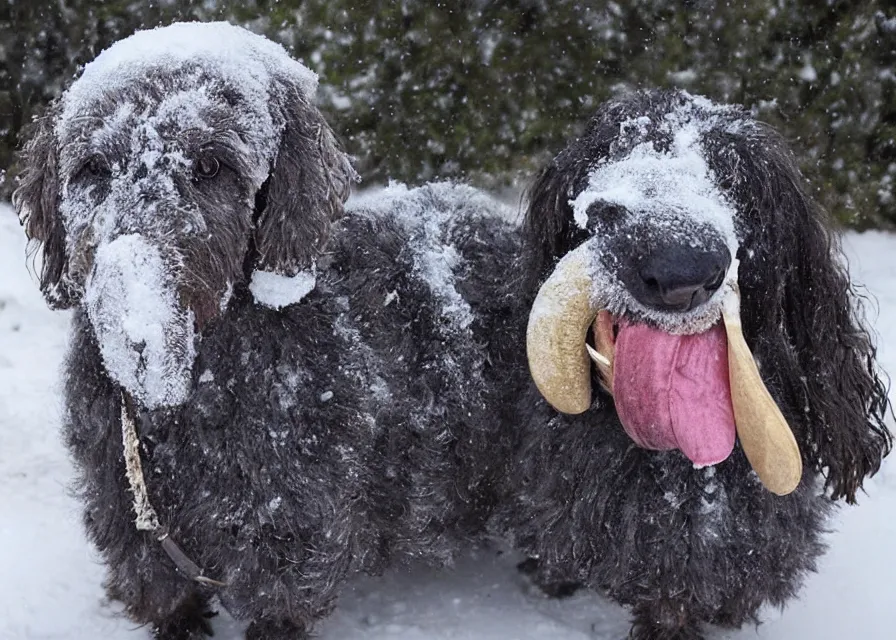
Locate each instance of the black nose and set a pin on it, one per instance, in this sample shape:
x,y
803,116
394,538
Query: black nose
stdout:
x,y
681,278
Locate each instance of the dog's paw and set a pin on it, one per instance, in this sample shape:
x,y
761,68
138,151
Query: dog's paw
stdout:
x,y
643,630
191,621
276,630
183,629
552,588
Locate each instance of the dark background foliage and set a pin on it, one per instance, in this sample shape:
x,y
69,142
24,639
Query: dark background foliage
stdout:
x,y
487,91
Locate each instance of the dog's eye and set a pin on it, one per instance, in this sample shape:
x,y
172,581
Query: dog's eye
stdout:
x,y
605,213
207,167
95,167
612,212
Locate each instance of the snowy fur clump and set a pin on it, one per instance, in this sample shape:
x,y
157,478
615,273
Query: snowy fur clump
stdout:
x,y
145,338
436,259
276,291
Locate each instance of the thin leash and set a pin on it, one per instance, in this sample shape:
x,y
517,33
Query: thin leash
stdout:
x,y
147,519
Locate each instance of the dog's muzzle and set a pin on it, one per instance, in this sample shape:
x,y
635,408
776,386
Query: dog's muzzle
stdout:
x,y
145,336
689,392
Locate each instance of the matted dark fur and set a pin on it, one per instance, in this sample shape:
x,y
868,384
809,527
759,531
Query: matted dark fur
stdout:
x,y
684,547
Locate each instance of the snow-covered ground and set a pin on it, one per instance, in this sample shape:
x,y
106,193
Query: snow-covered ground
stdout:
x,y
50,579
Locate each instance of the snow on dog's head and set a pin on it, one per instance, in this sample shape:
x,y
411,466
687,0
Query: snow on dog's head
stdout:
x,y
199,144
662,231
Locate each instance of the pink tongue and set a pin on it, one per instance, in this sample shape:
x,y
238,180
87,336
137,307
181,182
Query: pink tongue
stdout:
x,y
672,392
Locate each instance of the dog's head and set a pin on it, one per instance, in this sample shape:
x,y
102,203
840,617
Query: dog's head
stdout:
x,y
181,162
667,215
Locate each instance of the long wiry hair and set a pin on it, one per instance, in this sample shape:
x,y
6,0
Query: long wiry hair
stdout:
x,y
802,317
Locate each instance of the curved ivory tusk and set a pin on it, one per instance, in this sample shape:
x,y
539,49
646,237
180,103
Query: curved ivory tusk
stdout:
x,y
555,337
764,433
605,348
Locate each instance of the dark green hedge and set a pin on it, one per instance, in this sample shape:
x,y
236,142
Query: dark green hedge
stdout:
x,y
488,90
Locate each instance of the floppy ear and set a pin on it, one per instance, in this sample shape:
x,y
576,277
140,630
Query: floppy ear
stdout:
x,y
549,231
310,180
795,278
36,201
824,319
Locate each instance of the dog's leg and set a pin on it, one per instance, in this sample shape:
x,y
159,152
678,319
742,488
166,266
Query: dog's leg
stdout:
x,y
552,587
276,630
190,621
154,594
664,620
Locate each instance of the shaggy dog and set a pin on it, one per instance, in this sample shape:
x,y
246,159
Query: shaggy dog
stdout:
x,y
284,386
639,488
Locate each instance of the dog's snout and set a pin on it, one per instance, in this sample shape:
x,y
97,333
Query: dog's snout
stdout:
x,y
680,278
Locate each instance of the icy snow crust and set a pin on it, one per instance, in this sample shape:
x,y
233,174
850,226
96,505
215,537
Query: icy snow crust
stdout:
x,y
666,187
